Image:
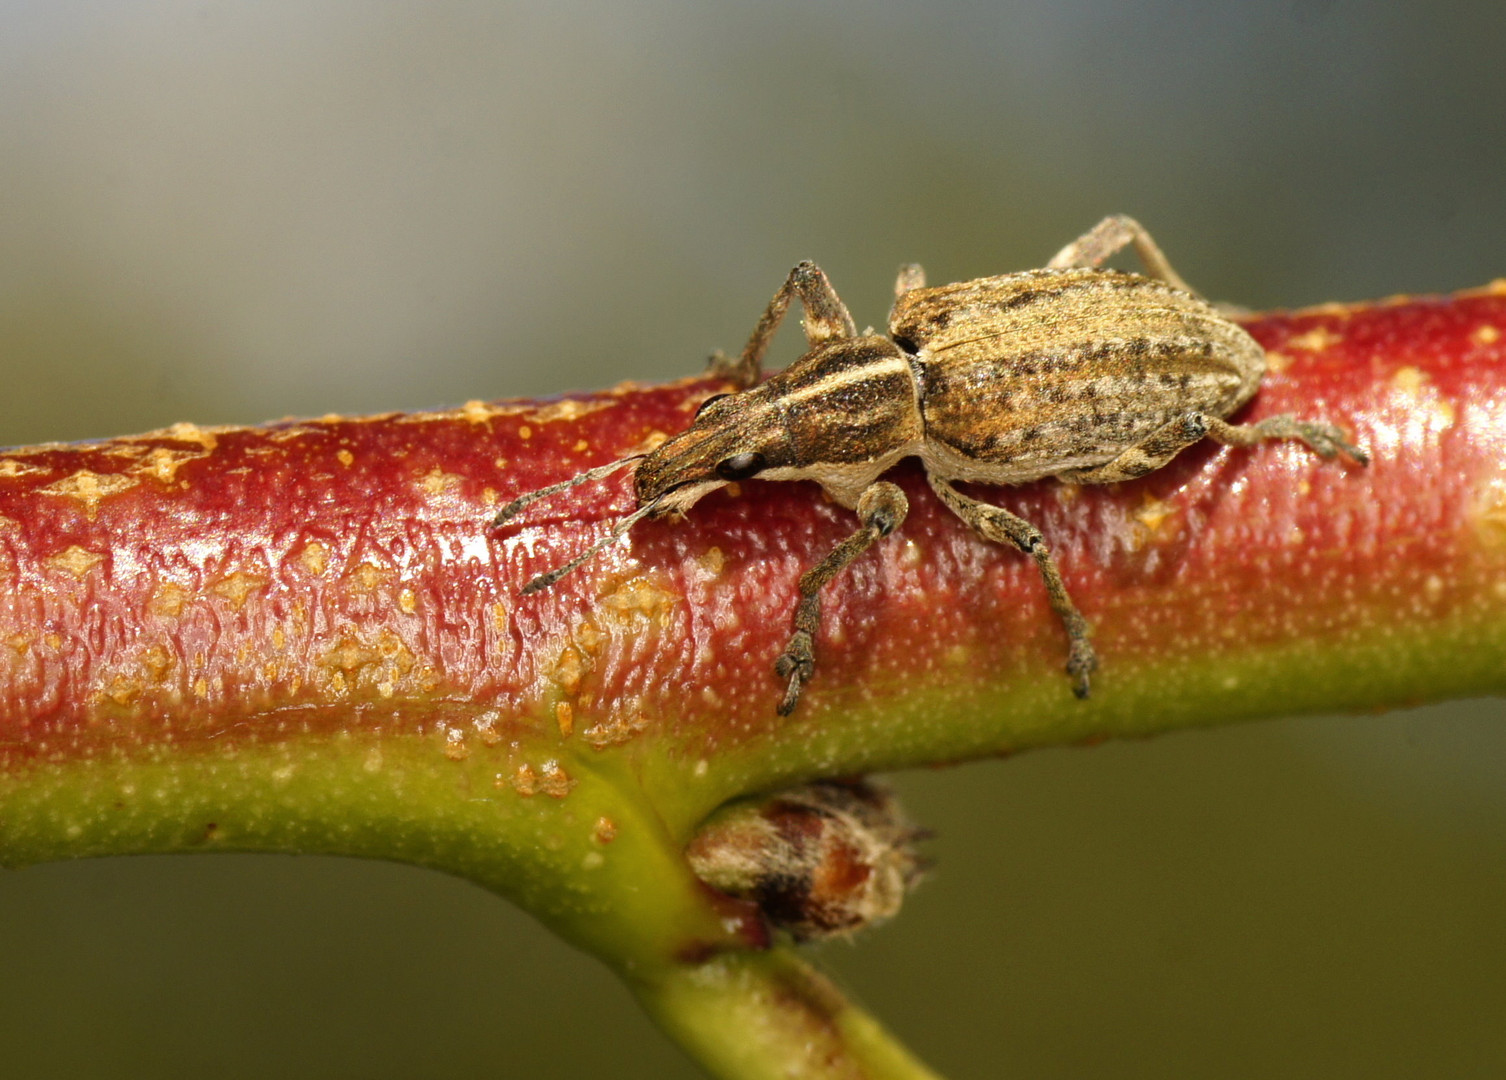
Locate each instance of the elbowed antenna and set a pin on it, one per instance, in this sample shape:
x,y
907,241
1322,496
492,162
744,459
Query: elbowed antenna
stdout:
x,y
512,508
544,580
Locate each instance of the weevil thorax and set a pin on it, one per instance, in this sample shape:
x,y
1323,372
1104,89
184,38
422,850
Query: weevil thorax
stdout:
x,y
840,415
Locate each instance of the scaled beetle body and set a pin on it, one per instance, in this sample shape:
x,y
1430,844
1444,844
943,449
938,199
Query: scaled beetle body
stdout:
x,y
1093,376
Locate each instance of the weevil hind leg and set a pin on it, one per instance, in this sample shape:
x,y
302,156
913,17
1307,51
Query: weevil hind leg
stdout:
x,y
1165,442
826,318
1325,440
999,525
1149,454
882,508
1110,236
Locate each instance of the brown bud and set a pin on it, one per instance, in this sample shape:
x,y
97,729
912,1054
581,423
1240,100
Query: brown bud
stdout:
x,y
821,860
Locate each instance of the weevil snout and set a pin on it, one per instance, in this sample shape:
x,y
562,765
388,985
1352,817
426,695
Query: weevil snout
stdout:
x,y
734,437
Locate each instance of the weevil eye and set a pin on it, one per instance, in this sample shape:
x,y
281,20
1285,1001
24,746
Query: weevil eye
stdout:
x,y
740,466
702,407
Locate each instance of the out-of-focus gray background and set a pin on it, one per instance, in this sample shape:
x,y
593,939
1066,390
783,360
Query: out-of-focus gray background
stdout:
x,y
229,212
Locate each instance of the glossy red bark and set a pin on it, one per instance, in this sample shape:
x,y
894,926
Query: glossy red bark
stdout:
x,y
212,585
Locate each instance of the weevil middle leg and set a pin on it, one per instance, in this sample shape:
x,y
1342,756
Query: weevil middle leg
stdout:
x,y
882,508
999,525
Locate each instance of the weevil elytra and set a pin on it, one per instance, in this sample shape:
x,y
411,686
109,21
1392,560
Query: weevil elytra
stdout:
x,y
1089,375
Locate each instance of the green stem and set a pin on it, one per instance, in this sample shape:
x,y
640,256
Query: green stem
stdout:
x,y
771,1016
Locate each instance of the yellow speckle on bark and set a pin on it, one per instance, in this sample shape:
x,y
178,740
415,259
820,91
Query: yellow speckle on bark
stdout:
x,y
169,599
1315,340
1408,379
566,410
486,727
640,597
367,577
162,464
1489,511
712,560
554,780
89,489
11,468
1155,520
525,781
158,662
238,587
191,433
76,560
569,669
436,481
1424,400
315,557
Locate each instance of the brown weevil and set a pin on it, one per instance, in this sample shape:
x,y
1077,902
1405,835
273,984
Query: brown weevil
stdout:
x,y
1089,375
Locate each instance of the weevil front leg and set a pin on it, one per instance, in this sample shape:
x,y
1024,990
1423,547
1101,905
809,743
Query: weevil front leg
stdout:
x,y
999,525
1110,236
1165,442
826,318
882,507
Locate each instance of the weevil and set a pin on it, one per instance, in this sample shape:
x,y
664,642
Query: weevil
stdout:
x,y
1086,374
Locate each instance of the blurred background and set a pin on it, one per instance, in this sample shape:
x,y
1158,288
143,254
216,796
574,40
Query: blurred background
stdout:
x,y
231,212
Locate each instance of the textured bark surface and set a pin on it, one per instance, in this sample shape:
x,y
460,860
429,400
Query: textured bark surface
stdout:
x,y
202,586
307,637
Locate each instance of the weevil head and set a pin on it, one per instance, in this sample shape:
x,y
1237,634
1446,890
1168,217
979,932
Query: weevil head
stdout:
x,y
840,415
733,437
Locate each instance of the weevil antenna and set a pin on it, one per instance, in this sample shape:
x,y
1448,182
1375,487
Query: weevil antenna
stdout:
x,y
511,509
543,581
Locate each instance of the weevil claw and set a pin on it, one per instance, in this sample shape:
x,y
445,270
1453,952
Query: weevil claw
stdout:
x,y
797,664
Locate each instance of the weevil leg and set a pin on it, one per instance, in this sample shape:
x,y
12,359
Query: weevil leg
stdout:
x,y
826,318
1110,236
1165,442
882,507
911,276
1325,440
1149,454
999,525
